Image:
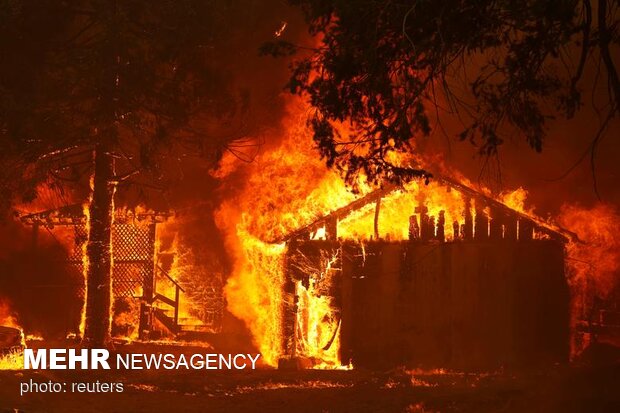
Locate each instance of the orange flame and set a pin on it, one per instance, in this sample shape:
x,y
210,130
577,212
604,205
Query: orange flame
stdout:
x,y
7,317
288,187
593,263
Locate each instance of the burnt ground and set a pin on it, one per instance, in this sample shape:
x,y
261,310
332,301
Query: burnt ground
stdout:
x,y
561,389
591,387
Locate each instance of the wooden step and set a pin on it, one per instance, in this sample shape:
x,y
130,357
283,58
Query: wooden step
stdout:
x,y
164,299
167,321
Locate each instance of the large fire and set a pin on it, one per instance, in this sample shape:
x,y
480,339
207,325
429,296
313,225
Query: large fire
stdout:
x,y
287,187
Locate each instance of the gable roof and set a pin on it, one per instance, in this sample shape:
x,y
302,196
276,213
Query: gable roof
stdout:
x,y
554,232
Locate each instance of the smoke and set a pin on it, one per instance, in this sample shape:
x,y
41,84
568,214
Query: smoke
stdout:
x,y
564,172
595,260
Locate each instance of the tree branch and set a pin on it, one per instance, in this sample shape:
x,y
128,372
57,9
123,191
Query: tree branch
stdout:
x,y
604,40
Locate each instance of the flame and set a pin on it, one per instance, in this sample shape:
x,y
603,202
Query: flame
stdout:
x,y
288,187
85,263
280,30
7,317
285,188
13,360
316,317
516,200
593,263
254,292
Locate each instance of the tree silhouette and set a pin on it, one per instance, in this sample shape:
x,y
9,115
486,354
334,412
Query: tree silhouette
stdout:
x,y
383,68
103,88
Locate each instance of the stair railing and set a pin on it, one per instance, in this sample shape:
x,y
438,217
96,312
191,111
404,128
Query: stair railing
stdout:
x,y
177,290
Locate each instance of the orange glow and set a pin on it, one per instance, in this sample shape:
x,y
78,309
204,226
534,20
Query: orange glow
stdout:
x,y
12,360
185,271
85,264
593,263
287,188
317,324
7,317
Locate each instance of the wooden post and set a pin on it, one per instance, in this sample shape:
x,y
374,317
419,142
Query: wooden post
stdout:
x,y
468,227
425,233
482,225
176,305
526,230
495,231
331,229
97,321
288,309
456,230
441,223
510,228
346,314
414,228
148,287
377,211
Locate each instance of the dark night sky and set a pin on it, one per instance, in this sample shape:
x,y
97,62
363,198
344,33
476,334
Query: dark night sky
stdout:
x,y
566,143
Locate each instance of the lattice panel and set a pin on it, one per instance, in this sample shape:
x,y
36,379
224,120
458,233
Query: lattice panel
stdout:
x,y
79,238
128,278
132,242
76,268
132,249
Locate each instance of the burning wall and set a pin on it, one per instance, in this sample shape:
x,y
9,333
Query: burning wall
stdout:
x,y
464,305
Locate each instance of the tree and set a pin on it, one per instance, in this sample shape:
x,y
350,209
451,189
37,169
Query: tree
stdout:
x,y
103,88
383,68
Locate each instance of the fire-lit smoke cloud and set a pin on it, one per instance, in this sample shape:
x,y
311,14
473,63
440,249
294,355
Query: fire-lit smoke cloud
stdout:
x,y
596,259
593,264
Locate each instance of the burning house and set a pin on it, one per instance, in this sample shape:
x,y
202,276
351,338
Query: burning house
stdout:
x,y
434,275
418,193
